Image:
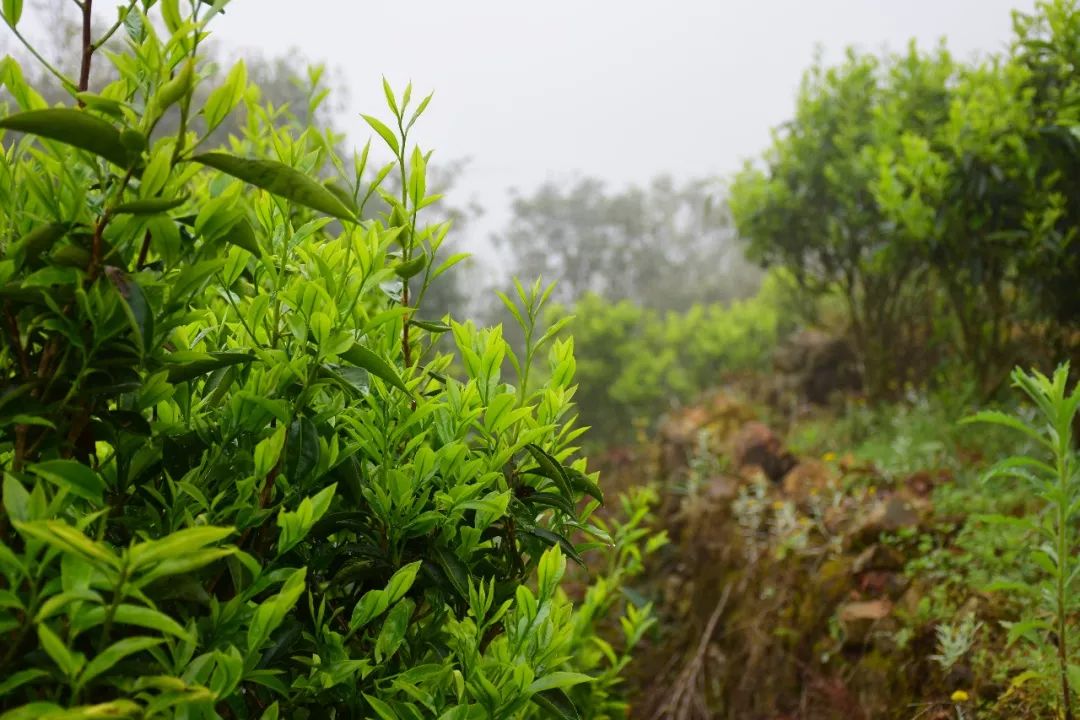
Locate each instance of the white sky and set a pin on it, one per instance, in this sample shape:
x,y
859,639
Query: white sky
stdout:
x,y
620,89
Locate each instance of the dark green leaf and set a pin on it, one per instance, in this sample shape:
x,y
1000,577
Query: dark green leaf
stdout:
x,y
32,244
343,195
139,312
72,127
186,365
551,469
113,654
548,500
361,356
279,179
455,570
557,704
301,450
73,476
242,236
411,268
430,326
580,482
552,538
149,206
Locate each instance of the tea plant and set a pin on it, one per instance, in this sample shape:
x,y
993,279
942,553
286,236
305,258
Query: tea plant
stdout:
x,y
1055,478
240,480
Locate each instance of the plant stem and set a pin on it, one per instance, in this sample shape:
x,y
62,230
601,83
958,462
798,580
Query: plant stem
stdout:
x,y
87,45
1062,555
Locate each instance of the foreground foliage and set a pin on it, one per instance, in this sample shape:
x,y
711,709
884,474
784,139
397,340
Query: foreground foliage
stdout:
x,y
239,480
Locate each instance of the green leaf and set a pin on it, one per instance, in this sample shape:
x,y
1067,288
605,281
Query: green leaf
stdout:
x,y
185,564
394,629
279,179
30,246
76,128
175,544
136,615
73,476
551,469
69,662
270,614
16,499
149,206
68,539
343,195
13,11
455,570
553,539
558,680
362,357
431,326
401,581
113,654
390,100
186,365
296,525
581,482
32,711
20,678
384,711
302,450
996,417
223,99
242,236
384,132
371,605
557,704
411,268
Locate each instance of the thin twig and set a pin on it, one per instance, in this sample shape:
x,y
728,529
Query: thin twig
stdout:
x,y
683,694
87,46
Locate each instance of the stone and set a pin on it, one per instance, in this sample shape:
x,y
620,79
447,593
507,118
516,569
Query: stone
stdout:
x,y
878,557
756,445
818,365
858,620
885,516
807,478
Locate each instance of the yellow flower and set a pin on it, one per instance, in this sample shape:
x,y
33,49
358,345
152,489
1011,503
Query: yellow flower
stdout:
x,y
960,696
829,456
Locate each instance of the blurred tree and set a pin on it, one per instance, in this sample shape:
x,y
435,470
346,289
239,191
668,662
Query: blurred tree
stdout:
x,y
665,246
811,208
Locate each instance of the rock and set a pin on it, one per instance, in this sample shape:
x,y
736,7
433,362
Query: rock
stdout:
x,y
807,478
755,445
878,557
721,489
882,583
859,619
885,516
818,365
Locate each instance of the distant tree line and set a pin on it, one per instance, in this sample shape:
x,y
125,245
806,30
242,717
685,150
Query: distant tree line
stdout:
x,y
939,198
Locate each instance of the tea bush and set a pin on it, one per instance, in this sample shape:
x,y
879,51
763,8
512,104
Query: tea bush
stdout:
x,y
239,479
939,197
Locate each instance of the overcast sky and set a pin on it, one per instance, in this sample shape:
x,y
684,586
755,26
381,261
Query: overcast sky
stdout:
x,y
622,90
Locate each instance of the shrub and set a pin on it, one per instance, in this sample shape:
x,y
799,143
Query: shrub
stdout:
x,y
1053,475
239,481
635,363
